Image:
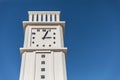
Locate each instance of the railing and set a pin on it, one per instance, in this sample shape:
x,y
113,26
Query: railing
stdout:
x,y
44,16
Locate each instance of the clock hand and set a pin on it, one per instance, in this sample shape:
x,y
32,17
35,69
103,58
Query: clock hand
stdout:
x,y
45,35
48,37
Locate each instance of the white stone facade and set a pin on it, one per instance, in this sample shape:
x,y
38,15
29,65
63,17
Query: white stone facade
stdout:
x,y
43,54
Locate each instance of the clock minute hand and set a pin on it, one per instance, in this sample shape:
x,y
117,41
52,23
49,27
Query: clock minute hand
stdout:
x,y
45,35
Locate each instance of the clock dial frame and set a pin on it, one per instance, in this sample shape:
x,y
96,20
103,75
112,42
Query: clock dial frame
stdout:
x,y
45,36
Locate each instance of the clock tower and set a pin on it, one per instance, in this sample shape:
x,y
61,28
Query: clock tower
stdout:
x,y
43,53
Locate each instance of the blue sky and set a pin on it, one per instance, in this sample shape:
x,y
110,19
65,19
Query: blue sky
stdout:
x,y
92,36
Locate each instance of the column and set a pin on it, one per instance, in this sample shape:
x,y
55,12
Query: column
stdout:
x,y
59,66
22,67
48,17
53,17
30,17
44,17
39,17
29,66
35,17
58,17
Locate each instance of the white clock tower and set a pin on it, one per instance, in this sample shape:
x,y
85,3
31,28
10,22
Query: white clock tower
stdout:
x,y
43,54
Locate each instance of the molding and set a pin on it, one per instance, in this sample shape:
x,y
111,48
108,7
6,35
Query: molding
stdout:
x,y
26,23
22,50
43,12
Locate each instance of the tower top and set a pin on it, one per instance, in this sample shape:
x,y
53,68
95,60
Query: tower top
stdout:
x,y
44,16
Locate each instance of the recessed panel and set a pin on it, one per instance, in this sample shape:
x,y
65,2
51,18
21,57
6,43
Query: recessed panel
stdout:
x,y
44,66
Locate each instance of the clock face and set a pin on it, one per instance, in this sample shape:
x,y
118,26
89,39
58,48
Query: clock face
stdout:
x,y
43,37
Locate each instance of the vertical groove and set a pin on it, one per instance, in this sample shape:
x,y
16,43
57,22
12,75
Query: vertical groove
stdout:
x,y
53,67
31,37
35,66
24,65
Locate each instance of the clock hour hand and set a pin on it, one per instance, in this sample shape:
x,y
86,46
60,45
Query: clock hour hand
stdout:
x,y
45,35
48,37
